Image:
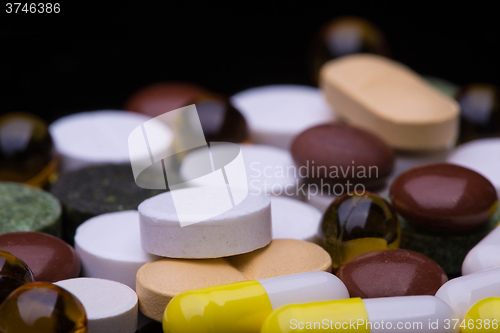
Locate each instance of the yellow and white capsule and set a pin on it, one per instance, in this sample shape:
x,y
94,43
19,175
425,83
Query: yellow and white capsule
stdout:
x,y
243,306
462,292
375,315
484,316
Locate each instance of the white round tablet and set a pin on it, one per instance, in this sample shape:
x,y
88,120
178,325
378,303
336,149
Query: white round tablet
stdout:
x,y
109,246
111,306
295,219
482,156
204,222
269,170
99,137
277,113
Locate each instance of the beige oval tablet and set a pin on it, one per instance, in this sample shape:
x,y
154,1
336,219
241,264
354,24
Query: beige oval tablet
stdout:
x,y
160,280
390,100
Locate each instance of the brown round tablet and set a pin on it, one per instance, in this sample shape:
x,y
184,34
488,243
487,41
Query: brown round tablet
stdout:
x,y
444,197
50,258
337,154
159,98
393,272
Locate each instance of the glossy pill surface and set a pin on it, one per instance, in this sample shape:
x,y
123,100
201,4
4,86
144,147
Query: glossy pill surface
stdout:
x,y
13,273
25,148
247,303
394,272
485,255
42,307
338,155
443,197
479,111
355,224
463,292
344,36
376,315
50,258
484,316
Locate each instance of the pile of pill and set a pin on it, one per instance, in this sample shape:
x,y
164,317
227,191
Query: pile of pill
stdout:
x,y
368,204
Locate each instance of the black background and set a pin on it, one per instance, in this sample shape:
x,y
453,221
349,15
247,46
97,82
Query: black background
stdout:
x,y
93,56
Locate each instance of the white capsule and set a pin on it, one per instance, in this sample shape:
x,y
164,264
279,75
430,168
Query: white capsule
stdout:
x,y
375,315
485,255
464,291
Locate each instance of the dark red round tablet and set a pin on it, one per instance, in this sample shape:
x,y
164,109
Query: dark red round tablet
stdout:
x,y
49,258
159,98
444,197
394,272
337,153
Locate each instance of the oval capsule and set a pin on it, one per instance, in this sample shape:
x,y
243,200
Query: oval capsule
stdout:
x,y
247,303
485,255
484,316
375,315
464,291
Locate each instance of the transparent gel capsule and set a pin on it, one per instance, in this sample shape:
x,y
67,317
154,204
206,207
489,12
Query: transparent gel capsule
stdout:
x,y
345,36
479,111
25,149
13,273
42,307
356,224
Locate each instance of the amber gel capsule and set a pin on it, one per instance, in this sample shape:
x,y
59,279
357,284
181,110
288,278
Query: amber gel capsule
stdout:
x,y
13,273
41,307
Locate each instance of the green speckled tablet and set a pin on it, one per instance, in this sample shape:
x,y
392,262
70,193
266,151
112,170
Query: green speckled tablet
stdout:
x,y
25,208
95,190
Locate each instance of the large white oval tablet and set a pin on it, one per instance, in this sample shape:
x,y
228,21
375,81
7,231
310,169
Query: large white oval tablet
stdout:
x,y
111,306
277,113
269,170
173,224
109,246
99,137
294,219
482,156
390,100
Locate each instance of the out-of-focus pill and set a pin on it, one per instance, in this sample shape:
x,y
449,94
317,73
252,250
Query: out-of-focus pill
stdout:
x,y
109,246
341,159
156,99
26,149
245,228
462,292
482,156
247,303
295,219
13,273
375,315
277,113
111,306
100,137
389,99
25,208
485,255
484,316
269,169
50,258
